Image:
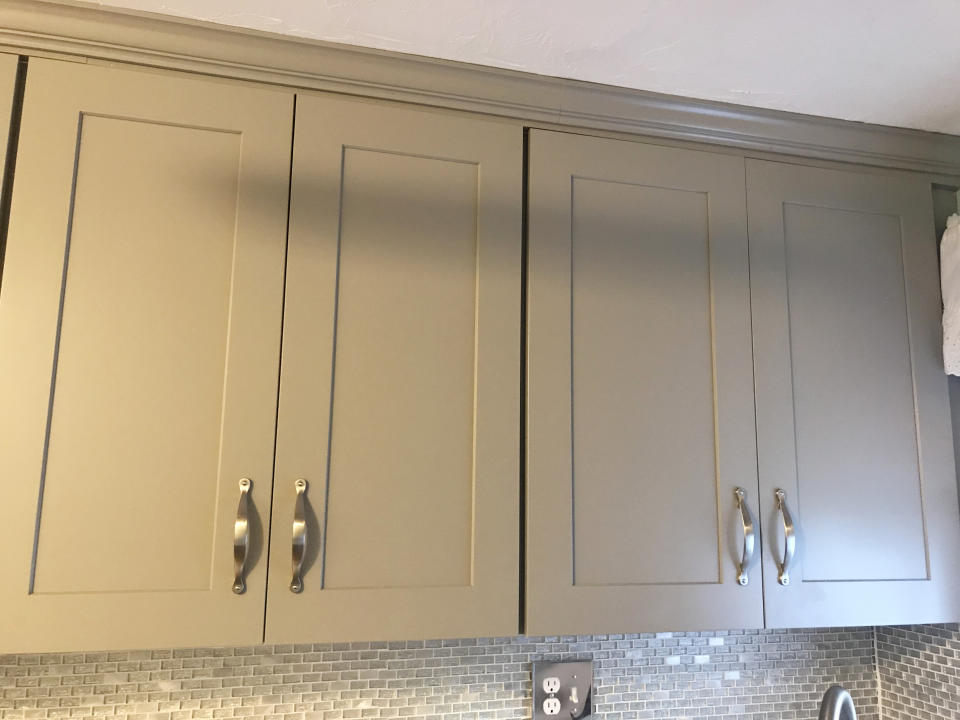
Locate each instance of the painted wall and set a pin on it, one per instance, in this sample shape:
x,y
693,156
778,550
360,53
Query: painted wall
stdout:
x,y
883,62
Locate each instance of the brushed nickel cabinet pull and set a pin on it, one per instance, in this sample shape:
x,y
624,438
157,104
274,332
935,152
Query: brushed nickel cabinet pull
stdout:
x,y
241,537
299,535
789,538
749,536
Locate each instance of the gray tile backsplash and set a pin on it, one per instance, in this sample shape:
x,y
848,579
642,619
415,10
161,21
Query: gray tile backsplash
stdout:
x,y
758,675
919,668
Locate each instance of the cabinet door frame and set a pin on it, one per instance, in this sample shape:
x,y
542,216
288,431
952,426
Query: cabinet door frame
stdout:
x,y
58,96
554,603
8,84
326,125
860,602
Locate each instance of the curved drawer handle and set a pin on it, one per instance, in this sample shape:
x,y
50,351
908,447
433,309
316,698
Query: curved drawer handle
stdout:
x,y
241,537
749,536
789,538
299,535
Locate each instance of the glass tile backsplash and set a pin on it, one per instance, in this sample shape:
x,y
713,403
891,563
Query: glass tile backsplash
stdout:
x,y
759,675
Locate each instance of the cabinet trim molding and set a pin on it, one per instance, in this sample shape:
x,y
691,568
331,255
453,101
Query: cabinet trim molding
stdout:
x,y
71,29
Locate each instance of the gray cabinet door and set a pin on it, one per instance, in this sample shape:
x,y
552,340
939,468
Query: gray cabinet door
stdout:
x,y
640,416
139,349
399,399
852,409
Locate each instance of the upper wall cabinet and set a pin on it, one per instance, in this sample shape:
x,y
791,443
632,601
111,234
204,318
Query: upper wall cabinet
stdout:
x,y
640,416
852,408
140,333
150,422
395,510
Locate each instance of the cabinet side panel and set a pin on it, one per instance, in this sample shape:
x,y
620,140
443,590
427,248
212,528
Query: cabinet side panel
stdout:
x,y
8,89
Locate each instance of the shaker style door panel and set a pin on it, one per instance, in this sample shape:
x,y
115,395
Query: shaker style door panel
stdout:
x,y
852,408
140,326
399,398
640,420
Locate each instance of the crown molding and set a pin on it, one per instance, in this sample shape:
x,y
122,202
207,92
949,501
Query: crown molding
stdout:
x,y
87,31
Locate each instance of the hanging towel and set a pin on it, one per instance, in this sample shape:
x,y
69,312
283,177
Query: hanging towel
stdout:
x,y
950,287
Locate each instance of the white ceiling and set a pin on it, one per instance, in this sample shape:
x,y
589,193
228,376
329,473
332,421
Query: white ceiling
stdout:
x,y
881,61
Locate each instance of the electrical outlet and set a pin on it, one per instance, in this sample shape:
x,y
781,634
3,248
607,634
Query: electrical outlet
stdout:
x,y
562,689
551,685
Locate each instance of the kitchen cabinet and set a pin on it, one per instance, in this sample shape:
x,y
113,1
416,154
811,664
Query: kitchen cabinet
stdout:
x,y
641,423
261,391
144,294
140,333
640,417
400,383
853,418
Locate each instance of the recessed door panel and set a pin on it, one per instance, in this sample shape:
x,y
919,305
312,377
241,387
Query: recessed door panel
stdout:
x,y
641,340
855,417
137,400
400,498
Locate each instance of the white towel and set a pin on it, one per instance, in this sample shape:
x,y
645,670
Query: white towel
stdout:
x,y
950,287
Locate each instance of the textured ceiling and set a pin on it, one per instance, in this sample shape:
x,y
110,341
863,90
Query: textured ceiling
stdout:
x,y
881,61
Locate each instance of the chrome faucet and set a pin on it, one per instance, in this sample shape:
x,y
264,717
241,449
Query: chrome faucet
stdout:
x,y
837,705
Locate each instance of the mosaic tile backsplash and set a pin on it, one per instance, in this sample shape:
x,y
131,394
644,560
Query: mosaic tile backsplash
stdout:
x,y
756,675
919,668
